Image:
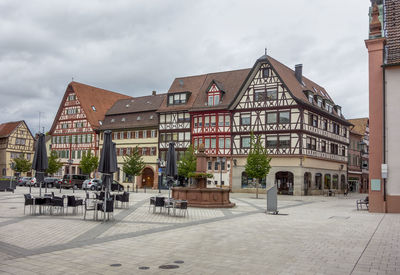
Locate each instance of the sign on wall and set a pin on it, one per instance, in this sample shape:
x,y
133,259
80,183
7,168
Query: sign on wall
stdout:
x,y
375,185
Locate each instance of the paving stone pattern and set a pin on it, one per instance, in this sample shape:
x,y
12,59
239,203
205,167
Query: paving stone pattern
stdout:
x,y
311,235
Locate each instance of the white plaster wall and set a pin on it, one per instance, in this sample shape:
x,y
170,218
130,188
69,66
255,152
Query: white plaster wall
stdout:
x,y
393,129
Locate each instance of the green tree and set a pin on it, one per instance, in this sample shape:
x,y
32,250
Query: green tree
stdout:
x,y
133,164
22,165
88,163
187,164
54,163
257,165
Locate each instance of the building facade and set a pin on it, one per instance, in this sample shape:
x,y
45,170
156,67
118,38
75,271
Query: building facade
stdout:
x,y
303,130
134,123
383,46
80,114
358,174
16,140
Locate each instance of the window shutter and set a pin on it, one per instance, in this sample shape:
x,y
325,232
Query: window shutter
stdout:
x,y
140,134
148,133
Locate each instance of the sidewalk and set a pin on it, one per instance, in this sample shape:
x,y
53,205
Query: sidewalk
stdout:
x,y
314,235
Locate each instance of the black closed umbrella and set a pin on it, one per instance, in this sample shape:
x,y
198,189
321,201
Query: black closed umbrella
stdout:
x,y
107,164
171,169
40,162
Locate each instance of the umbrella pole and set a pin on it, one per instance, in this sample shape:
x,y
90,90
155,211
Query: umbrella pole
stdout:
x,y
105,200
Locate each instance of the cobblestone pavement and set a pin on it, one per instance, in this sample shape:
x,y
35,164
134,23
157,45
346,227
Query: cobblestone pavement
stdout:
x,y
312,235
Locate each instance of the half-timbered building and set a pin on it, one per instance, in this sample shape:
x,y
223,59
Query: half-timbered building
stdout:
x,y
174,117
302,128
79,116
16,141
134,123
211,122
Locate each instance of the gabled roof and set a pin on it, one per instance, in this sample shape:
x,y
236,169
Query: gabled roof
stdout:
x,y
190,84
133,112
137,104
392,28
296,89
7,128
360,125
229,81
89,96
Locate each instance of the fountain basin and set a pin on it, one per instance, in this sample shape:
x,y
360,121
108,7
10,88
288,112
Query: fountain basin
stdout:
x,y
203,197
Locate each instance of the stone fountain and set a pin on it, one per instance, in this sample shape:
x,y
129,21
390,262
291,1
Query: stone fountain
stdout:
x,y
200,195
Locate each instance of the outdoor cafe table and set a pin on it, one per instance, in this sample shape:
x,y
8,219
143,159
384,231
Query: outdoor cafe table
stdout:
x,y
172,203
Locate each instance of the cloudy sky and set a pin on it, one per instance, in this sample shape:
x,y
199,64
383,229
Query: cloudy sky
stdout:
x,y
134,47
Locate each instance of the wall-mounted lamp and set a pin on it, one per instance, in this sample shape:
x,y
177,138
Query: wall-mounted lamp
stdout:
x,y
235,162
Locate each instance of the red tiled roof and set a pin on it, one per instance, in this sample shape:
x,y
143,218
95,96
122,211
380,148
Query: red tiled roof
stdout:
x,y
7,128
392,27
89,96
360,125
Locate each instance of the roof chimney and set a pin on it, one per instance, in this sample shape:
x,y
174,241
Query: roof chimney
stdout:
x,y
298,72
153,92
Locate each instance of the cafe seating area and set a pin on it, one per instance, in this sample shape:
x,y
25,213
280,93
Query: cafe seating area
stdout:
x,y
169,206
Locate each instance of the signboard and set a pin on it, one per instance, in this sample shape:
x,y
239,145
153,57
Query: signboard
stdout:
x,y
384,170
160,170
375,185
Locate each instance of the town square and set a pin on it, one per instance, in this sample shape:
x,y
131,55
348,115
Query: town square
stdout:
x,y
166,137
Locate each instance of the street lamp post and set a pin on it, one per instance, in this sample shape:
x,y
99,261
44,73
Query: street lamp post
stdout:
x,y
12,168
220,160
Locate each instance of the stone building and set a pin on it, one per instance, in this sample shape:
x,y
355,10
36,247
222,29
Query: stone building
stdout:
x,y
16,140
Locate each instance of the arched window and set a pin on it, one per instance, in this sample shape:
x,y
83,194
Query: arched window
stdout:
x,y
327,181
318,181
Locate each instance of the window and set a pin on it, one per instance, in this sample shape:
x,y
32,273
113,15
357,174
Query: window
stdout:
x,y
272,94
213,143
245,119
181,136
112,120
272,141
216,165
153,151
343,150
260,95
144,151
123,119
228,143
245,142
162,118
334,149
100,122
181,117
144,134
115,135
313,120
323,146
207,143
266,72
227,121
206,121
271,118
221,143
200,122
319,102
220,121
336,128
212,121
93,108
311,143
310,98
187,135
209,164
139,118
284,141
213,98
325,125
153,133
136,134
284,117
128,135
175,99
195,122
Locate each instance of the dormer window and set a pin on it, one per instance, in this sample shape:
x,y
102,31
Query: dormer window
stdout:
x,y
151,117
338,110
319,102
123,119
178,98
214,98
100,122
310,98
93,108
139,118
112,120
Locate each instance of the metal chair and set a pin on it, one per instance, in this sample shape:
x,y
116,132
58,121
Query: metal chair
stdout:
x,y
182,206
109,208
28,202
73,202
58,204
89,205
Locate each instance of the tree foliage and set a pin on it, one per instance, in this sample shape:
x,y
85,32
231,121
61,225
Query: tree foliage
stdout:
x,y
54,163
22,165
133,164
257,165
89,163
187,164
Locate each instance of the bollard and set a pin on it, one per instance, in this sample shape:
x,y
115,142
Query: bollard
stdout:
x,y
145,189
128,188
